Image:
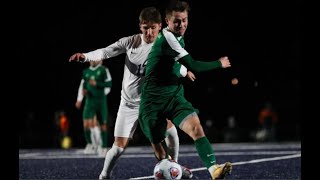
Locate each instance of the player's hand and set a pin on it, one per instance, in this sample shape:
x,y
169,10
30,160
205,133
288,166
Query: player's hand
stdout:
x,y
78,57
93,82
191,76
78,104
84,92
225,62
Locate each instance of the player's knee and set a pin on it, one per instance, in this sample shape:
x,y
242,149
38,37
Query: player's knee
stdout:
x,y
194,130
197,131
121,142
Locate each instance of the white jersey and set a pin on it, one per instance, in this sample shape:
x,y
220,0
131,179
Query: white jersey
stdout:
x,y
137,51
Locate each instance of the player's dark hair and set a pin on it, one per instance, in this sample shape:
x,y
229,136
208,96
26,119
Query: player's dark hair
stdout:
x,y
150,14
178,6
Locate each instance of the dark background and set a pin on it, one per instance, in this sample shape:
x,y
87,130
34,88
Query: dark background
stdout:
x,y
261,39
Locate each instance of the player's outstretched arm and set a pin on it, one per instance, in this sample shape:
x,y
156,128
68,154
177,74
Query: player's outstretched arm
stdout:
x,y
200,66
78,57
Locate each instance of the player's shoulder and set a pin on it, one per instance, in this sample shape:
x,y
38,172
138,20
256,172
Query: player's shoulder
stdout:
x,y
167,35
85,70
160,40
130,37
131,40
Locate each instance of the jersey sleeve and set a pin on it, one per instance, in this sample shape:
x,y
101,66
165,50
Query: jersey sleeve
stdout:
x,y
199,66
112,50
174,44
80,89
107,82
185,58
183,71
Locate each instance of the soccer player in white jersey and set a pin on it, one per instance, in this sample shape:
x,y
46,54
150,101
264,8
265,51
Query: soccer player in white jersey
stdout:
x,y
137,48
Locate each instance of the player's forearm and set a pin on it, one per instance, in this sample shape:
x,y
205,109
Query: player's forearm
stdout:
x,y
199,66
96,55
104,84
80,90
104,53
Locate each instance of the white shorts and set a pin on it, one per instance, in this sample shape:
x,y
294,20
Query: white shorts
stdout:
x,y
127,120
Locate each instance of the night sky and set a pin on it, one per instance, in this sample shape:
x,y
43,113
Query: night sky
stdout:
x,y
261,39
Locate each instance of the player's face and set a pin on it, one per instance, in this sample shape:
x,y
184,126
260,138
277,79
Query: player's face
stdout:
x,y
178,22
150,31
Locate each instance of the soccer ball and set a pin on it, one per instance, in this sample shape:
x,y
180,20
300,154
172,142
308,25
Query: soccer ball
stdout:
x,y
167,169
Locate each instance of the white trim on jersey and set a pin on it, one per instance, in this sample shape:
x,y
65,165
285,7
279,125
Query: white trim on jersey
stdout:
x,y
174,44
115,49
183,71
109,78
80,89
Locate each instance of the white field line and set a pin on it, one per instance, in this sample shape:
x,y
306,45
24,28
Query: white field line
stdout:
x,y
79,154
239,163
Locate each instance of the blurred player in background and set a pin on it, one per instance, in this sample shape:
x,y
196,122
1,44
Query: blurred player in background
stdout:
x,y
137,48
162,93
95,84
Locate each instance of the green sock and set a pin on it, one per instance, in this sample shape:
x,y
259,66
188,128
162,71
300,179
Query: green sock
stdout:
x,y
87,136
104,138
205,151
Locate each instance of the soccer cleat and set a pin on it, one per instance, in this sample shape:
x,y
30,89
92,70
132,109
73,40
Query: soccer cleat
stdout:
x,y
220,171
102,152
89,149
186,173
102,176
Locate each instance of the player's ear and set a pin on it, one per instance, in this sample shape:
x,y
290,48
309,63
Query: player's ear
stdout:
x,y
160,26
167,20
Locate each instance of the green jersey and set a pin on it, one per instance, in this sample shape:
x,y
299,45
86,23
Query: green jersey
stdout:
x,y
162,91
96,96
161,70
100,75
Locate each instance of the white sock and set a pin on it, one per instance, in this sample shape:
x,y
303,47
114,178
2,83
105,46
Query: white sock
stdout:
x,y
93,138
172,141
97,135
112,156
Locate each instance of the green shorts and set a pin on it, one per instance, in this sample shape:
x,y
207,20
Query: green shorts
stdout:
x,y
94,107
154,110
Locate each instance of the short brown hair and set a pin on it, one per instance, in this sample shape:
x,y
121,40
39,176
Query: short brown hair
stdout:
x,y
150,14
178,6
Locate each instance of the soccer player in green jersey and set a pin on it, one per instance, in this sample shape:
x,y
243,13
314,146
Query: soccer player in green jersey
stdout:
x,y
162,93
95,85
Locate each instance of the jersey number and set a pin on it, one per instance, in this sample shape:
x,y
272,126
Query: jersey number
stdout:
x,y
141,69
